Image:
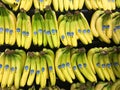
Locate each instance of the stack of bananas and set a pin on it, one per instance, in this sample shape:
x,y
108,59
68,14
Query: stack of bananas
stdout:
x,y
19,4
45,30
105,26
96,86
101,4
66,5
73,27
7,26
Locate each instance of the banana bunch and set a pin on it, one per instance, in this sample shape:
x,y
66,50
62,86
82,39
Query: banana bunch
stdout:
x,y
23,30
11,66
19,4
61,5
7,26
71,63
101,4
73,27
117,3
41,4
105,26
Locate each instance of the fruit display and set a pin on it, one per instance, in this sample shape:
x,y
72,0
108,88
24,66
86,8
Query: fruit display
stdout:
x,y
18,68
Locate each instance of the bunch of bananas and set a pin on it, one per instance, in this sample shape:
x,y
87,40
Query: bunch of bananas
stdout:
x,y
67,4
19,4
7,26
45,30
73,27
23,30
101,4
105,26
42,4
96,86
11,67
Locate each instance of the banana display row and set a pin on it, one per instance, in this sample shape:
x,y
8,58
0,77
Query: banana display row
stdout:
x,y
19,68
98,86
62,5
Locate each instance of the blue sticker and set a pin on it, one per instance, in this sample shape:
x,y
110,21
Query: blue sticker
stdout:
x,y
17,0
11,31
98,64
6,67
54,31
38,72
40,31
0,65
26,67
68,33
31,71
63,65
27,33
103,65
59,66
72,34
74,67
7,30
109,65
35,33
68,64
62,37
43,69
12,69
41,0
113,0
79,31
1,29
18,30
116,64
50,68
88,31
84,31
79,65
85,65
108,26
114,29
48,32
23,32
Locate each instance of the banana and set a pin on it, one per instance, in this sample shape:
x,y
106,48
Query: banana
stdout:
x,y
40,28
81,4
113,5
78,74
100,85
107,87
36,4
26,5
2,65
43,78
66,4
26,70
7,26
61,29
38,71
51,68
12,72
58,56
34,30
6,70
99,3
55,4
16,7
88,4
99,29
75,4
12,27
103,66
73,32
22,4
97,66
94,4
9,2
93,21
32,73
71,4
61,5
116,85
2,29
105,4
